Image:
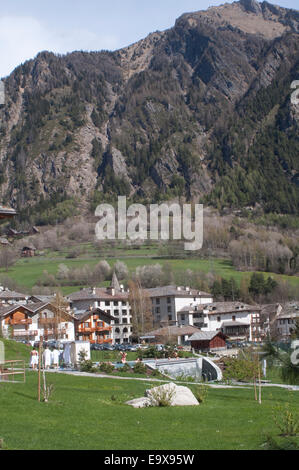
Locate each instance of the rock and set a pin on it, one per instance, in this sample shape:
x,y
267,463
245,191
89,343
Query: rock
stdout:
x,y
139,402
178,396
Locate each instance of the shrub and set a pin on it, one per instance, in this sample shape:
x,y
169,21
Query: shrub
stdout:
x,y
107,367
139,368
161,396
286,420
84,364
201,392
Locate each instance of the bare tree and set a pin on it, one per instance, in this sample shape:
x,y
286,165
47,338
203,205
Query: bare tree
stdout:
x,y
141,308
8,258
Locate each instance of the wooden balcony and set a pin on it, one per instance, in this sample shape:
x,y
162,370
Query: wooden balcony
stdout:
x,y
87,331
24,333
24,321
98,329
48,322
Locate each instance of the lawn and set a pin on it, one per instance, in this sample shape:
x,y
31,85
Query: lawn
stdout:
x,y
89,413
26,272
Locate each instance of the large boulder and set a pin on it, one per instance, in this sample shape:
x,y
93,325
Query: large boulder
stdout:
x,y
165,395
176,395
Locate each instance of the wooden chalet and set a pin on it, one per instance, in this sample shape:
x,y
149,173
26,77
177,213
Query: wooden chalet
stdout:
x,y
7,212
94,326
31,321
206,341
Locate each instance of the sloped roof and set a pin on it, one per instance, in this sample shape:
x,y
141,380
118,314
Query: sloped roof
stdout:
x,y
206,335
228,307
96,311
176,291
32,308
97,294
173,331
6,212
11,295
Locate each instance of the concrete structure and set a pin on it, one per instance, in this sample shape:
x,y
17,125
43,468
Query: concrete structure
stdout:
x,y
200,368
168,301
113,300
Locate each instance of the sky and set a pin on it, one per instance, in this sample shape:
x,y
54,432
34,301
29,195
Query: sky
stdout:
x,y
30,26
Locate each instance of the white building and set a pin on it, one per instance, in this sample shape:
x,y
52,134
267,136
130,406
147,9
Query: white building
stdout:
x,y
236,320
113,300
168,301
286,320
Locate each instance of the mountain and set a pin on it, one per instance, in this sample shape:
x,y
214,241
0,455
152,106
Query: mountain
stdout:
x,y
202,110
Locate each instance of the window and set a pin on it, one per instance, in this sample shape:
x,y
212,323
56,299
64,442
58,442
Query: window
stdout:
x,y
158,301
115,303
158,310
169,300
219,319
169,309
116,312
234,318
183,317
170,317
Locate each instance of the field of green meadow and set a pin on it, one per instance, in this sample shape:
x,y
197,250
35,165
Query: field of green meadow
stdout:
x,y
90,413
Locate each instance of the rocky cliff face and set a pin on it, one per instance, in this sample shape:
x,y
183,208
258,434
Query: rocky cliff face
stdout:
x,y
202,109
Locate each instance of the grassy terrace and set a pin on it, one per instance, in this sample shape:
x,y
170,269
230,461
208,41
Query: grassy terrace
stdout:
x,y
27,272
89,413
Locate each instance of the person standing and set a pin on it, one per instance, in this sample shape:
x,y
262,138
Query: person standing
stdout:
x,y
55,358
47,358
34,359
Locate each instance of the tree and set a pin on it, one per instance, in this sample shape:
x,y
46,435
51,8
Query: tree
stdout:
x,y
141,309
8,258
121,270
246,367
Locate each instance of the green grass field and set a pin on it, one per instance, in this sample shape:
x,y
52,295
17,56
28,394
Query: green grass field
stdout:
x,y
27,272
89,413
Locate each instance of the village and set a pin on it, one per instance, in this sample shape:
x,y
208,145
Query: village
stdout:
x,y
180,315
116,317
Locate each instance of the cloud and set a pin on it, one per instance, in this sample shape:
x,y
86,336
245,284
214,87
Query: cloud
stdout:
x,y
21,38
